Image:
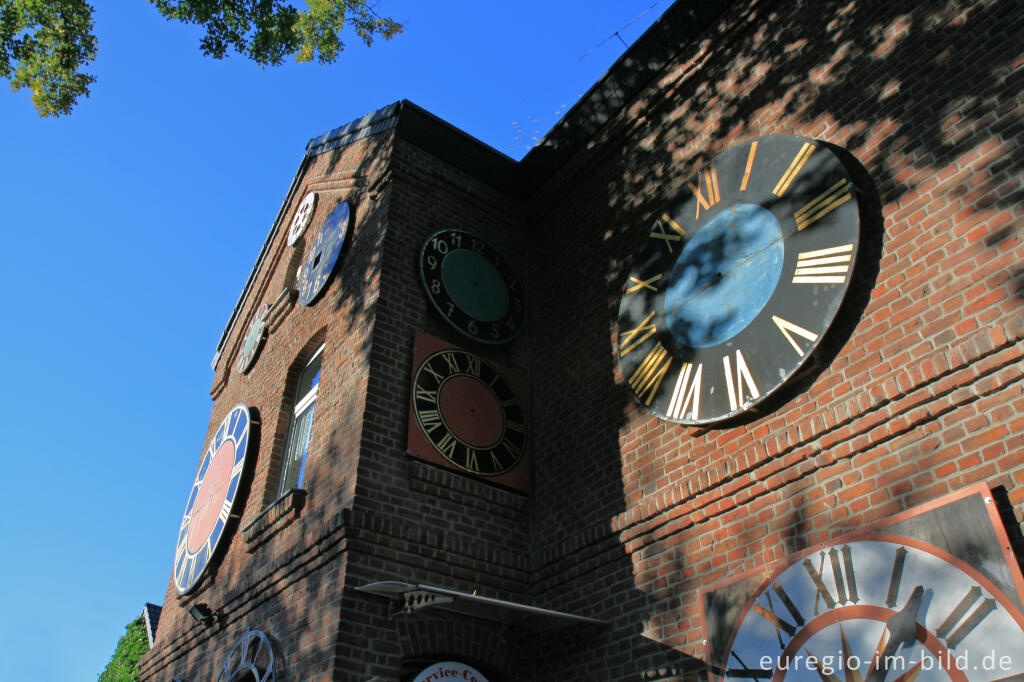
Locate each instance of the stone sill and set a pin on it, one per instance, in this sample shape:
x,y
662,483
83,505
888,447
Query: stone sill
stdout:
x,y
272,520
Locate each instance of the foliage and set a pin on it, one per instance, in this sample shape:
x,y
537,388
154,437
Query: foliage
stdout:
x,y
45,44
124,664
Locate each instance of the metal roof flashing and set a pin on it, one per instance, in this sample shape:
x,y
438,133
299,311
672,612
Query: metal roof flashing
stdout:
x,y
411,598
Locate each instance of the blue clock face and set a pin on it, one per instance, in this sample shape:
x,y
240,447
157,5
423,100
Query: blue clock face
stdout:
x,y
737,281
322,254
211,499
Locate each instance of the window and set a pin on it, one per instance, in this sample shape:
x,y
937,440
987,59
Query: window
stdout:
x,y
293,465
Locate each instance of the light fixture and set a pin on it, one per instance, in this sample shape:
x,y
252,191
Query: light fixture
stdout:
x,y
202,613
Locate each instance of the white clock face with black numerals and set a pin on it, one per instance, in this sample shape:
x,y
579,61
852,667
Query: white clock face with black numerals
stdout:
x,y
933,594
877,611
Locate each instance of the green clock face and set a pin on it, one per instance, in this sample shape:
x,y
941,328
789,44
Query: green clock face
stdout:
x,y
472,286
737,281
885,605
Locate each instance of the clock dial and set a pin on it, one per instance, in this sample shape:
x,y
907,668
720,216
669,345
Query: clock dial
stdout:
x,y
472,286
322,254
737,282
885,605
303,214
211,499
253,339
466,414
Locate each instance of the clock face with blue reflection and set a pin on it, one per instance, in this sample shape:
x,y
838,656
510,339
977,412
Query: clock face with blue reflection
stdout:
x,y
737,281
211,499
472,286
322,255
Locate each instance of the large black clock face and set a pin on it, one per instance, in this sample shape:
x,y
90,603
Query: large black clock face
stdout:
x,y
472,286
736,283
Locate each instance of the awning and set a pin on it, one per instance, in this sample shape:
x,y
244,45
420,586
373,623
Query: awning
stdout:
x,y
408,598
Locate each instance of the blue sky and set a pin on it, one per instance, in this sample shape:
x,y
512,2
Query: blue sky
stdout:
x,y
129,228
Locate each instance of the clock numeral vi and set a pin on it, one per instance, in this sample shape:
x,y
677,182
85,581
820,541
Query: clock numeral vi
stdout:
x,y
686,391
741,384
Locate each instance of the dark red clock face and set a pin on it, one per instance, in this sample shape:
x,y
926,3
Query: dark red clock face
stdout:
x,y
212,498
466,414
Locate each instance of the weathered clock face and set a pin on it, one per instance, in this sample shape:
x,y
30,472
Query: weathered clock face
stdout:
x,y
253,339
736,282
322,255
211,499
472,287
466,414
926,596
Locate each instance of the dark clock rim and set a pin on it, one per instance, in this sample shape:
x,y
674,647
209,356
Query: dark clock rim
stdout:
x,y
505,270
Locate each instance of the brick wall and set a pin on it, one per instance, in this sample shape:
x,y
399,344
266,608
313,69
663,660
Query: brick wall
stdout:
x,y
917,389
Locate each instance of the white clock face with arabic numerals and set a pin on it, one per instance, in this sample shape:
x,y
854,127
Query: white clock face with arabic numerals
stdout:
x,y
878,611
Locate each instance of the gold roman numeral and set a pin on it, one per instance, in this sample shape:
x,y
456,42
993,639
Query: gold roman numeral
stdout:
x,y
686,392
794,168
711,184
824,266
750,164
829,200
658,231
741,384
634,337
639,284
788,329
647,377
430,419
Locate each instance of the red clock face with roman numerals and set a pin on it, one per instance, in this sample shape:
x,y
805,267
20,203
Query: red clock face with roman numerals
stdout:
x,y
931,595
735,284
212,498
466,414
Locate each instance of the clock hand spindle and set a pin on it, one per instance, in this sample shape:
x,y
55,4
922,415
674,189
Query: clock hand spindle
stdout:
x,y
902,627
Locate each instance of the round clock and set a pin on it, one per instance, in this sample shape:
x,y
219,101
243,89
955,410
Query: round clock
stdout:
x,y
211,498
472,286
468,413
322,254
303,214
452,670
737,282
253,338
884,608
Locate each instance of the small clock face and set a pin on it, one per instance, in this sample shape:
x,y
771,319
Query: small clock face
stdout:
x,y
303,214
211,499
472,286
253,339
886,607
738,280
466,414
322,254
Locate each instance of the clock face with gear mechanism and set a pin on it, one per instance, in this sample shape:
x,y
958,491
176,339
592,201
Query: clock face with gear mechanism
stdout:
x,y
736,282
465,414
472,286
929,597
323,254
212,498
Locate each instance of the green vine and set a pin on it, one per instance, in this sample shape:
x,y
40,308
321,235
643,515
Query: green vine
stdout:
x,y
124,664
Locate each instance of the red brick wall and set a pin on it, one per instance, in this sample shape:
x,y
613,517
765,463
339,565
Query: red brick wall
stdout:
x,y
919,388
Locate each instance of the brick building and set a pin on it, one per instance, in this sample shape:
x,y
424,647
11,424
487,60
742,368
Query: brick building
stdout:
x,y
611,541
